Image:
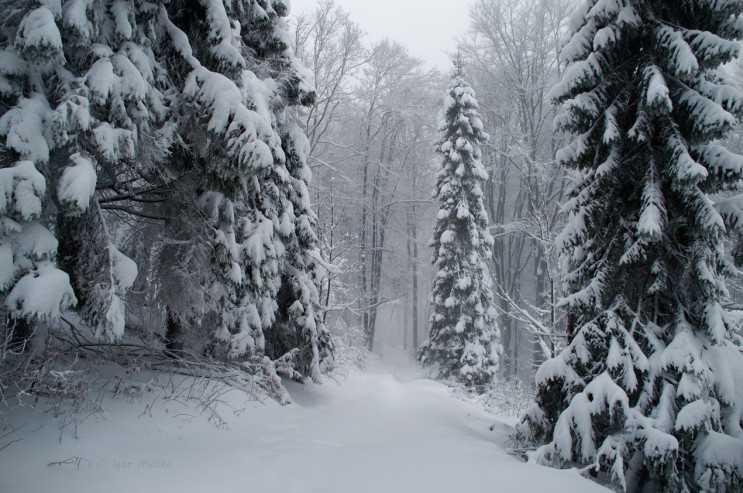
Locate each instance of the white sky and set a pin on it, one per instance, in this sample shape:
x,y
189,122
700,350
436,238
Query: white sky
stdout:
x,y
428,28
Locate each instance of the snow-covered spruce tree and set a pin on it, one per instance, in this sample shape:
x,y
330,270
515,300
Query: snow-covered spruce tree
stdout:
x,y
300,316
298,324
645,392
119,116
239,89
464,341
80,98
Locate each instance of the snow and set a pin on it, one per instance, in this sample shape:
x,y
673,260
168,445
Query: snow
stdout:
x,y
657,94
7,268
616,357
717,449
22,186
117,76
39,36
554,369
726,362
77,185
249,136
23,127
708,114
682,57
225,46
260,93
36,241
576,74
653,216
101,79
258,243
689,387
120,10
447,236
76,19
385,430
628,17
719,160
124,269
708,215
114,143
611,134
574,428
12,64
130,81
724,94
684,352
731,210
580,43
650,222
696,415
605,8
113,323
686,168
142,58
714,321
657,443
41,293
606,37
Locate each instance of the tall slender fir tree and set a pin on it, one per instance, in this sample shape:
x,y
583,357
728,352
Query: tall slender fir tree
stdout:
x,y
464,342
645,391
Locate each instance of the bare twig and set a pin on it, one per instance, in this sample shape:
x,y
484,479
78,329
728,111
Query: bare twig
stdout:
x,y
74,461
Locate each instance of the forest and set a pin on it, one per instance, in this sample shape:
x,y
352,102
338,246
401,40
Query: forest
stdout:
x,y
224,221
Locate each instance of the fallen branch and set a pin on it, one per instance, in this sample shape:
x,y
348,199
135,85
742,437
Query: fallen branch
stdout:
x,y
74,460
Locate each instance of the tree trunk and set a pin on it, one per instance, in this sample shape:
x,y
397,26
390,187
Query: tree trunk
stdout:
x,y
363,247
331,246
540,287
174,333
412,244
406,323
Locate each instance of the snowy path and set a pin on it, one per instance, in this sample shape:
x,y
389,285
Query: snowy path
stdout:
x,y
375,432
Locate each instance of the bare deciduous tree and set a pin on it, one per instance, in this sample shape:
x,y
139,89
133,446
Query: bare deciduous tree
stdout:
x,y
512,49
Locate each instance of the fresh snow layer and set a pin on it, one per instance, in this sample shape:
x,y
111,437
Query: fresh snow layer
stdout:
x,y
376,431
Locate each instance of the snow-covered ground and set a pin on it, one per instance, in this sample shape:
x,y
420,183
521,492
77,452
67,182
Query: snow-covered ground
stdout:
x,y
381,430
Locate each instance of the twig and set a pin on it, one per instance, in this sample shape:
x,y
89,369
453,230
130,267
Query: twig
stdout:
x,y
74,460
9,444
12,431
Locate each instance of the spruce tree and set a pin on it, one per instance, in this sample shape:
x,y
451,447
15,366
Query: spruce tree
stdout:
x,y
464,342
83,102
257,180
166,118
644,393
300,314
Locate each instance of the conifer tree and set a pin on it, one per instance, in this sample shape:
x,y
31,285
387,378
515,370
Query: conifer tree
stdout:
x,y
644,392
124,117
300,316
257,201
83,102
464,342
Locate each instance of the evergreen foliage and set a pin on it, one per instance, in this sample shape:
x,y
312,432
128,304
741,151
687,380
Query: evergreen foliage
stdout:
x,y
464,342
158,130
644,393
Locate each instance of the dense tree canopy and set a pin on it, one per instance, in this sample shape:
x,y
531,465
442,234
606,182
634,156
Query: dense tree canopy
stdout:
x,y
150,142
644,390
